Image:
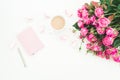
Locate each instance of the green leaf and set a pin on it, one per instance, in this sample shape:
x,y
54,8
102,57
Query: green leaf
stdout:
x,y
118,7
76,26
108,3
116,2
103,47
119,35
116,42
102,1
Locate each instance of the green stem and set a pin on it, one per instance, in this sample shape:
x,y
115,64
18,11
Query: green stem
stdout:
x,y
81,44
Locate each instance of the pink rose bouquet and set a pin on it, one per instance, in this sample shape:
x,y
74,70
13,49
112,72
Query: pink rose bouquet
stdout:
x,y
99,23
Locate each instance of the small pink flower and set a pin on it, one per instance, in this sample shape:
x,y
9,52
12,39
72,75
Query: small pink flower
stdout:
x,y
111,32
103,22
81,37
111,51
92,19
84,31
99,12
100,30
107,41
91,38
80,24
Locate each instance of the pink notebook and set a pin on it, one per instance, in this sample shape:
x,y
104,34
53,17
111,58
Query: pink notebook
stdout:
x,y
30,41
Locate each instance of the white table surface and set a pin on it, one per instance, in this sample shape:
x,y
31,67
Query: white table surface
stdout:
x,y
59,60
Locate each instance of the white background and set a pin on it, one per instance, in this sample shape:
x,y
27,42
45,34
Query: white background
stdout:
x,y
58,60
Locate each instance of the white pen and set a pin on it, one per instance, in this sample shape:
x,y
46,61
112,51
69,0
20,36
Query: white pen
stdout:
x,y
21,56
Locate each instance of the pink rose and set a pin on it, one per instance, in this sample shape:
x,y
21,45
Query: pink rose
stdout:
x,y
111,32
107,56
114,51
95,4
103,22
100,30
84,31
83,7
92,19
109,46
91,38
95,24
116,58
99,12
96,48
87,21
80,24
107,41
88,46
111,51
79,13
100,43
100,54
85,14
82,13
